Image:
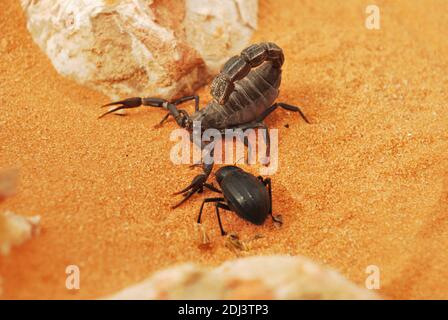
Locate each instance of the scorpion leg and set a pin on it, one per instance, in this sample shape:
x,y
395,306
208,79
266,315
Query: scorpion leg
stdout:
x,y
181,116
285,106
162,121
267,139
188,98
266,136
183,112
243,139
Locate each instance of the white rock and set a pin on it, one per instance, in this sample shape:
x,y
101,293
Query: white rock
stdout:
x,y
16,229
258,277
219,29
137,47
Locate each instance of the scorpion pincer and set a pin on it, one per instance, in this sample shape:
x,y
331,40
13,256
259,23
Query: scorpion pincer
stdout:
x,y
243,96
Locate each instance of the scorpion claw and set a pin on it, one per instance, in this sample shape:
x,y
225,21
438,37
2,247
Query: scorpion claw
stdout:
x,y
122,104
110,111
196,185
186,197
126,103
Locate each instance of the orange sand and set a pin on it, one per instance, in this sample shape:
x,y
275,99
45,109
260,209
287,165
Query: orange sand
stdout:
x,y
366,184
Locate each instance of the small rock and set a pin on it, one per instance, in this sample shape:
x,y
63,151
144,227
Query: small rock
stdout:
x,y
140,47
16,229
233,242
204,239
278,220
263,277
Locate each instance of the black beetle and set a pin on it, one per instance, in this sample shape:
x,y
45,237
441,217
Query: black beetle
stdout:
x,y
248,196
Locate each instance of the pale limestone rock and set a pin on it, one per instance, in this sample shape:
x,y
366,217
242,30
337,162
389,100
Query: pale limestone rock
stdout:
x,y
258,277
140,47
16,229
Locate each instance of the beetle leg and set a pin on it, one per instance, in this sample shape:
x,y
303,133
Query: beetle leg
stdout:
x,y
218,204
204,202
222,206
217,201
212,187
268,183
284,106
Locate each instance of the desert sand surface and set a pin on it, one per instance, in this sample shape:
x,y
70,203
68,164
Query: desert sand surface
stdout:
x,y
365,184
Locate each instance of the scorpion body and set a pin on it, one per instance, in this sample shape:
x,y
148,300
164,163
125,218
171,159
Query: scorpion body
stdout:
x,y
243,96
241,91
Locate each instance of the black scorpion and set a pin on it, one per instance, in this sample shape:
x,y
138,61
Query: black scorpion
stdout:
x,y
243,96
